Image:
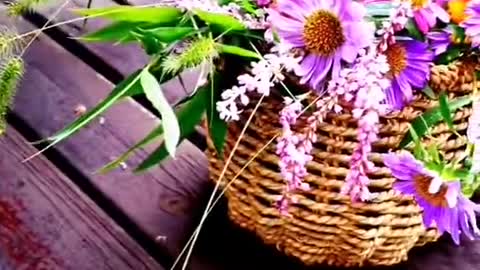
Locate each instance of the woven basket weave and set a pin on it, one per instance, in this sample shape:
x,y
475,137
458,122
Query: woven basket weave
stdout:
x,y
324,227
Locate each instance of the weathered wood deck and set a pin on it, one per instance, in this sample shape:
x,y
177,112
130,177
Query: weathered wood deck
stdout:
x,y
55,213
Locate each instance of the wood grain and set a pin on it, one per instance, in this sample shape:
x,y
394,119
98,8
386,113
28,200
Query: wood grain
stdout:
x,y
125,59
47,223
162,202
222,246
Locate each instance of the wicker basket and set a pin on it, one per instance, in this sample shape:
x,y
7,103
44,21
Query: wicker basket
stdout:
x,y
324,227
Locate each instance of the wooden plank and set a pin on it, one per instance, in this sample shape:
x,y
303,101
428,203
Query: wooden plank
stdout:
x,y
223,246
161,202
123,58
47,223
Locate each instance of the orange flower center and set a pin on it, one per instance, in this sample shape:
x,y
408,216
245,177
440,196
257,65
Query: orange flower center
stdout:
x,y
396,59
422,184
456,9
323,33
416,4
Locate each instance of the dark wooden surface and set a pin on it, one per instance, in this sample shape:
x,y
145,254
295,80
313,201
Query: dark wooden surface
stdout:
x,y
164,203
123,59
47,223
161,202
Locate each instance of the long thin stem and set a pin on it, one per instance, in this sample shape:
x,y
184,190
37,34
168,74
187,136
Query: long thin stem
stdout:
x,y
210,201
208,209
52,17
89,5
197,229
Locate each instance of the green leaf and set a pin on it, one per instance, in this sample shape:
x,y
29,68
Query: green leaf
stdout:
x,y
225,2
413,30
434,154
422,123
150,138
458,33
115,32
234,50
121,90
134,14
470,185
445,110
429,92
450,173
224,22
418,149
124,32
248,6
217,128
192,106
150,44
168,34
154,93
189,116
453,52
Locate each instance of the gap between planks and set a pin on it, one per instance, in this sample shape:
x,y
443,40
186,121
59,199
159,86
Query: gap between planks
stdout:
x,y
163,202
46,222
225,250
113,62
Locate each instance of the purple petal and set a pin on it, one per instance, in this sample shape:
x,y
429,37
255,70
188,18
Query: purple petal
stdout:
x,y
453,191
314,69
336,66
440,12
415,78
349,53
403,166
465,226
307,65
294,39
429,16
454,228
428,218
439,219
406,188
406,89
421,22
294,9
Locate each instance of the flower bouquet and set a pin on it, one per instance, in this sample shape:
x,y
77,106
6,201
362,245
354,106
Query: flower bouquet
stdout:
x,y
343,132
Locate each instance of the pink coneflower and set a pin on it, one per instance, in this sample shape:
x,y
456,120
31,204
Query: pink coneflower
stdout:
x,y
426,12
330,31
443,203
410,63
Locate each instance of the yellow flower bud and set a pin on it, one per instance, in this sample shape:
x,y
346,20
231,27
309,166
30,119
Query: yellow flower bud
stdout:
x,y
456,9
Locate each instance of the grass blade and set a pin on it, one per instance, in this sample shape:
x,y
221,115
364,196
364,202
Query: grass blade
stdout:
x,y
154,94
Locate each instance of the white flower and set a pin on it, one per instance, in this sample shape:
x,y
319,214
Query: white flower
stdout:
x,y
262,77
228,110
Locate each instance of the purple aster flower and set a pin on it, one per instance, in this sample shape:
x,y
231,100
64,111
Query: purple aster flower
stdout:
x,y
443,203
472,22
410,63
440,40
329,30
426,12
